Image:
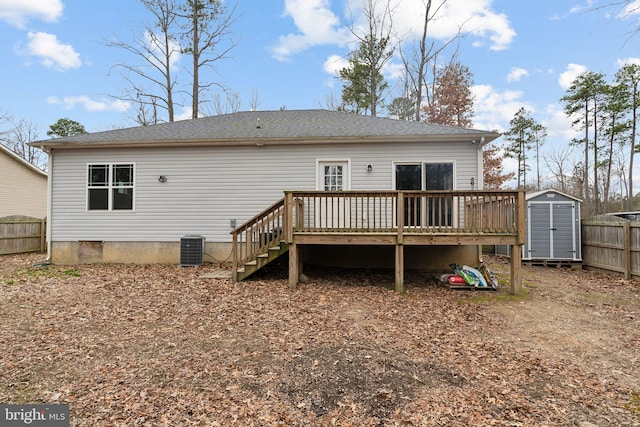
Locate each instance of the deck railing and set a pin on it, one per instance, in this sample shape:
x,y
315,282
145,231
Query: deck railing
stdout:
x,y
258,234
430,212
471,213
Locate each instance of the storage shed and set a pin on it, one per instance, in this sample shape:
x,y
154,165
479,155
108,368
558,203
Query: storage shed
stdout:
x,y
552,228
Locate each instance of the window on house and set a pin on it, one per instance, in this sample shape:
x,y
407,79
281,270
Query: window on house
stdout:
x,y
110,186
333,178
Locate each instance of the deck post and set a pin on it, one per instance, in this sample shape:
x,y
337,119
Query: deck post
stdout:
x,y
287,217
294,265
399,265
516,250
234,257
516,269
399,268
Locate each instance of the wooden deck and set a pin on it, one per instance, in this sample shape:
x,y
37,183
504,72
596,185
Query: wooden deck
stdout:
x,y
398,218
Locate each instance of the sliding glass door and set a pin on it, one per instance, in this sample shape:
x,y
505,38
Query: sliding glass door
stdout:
x,y
432,211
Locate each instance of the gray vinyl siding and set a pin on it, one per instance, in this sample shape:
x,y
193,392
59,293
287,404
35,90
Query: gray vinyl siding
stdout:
x,y
207,187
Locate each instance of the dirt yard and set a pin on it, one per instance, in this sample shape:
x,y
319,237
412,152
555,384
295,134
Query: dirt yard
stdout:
x,y
159,346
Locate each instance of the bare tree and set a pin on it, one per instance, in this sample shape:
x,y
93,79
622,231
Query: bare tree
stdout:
x,y
17,139
229,104
255,100
206,29
419,58
560,164
539,134
629,79
331,103
158,49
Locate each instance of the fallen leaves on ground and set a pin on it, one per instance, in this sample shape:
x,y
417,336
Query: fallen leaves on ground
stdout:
x,y
158,346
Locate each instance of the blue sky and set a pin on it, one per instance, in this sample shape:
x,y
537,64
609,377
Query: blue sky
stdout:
x,y
522,54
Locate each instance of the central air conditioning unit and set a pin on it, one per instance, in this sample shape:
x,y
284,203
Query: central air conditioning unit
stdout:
x,y
191,250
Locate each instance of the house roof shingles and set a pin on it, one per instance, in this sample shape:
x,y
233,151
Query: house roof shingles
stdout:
x,y
294,126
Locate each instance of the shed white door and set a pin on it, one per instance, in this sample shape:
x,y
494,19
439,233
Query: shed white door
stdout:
x,y
333,176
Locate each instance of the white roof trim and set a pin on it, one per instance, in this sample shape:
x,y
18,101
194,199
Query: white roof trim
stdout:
x,y
550,190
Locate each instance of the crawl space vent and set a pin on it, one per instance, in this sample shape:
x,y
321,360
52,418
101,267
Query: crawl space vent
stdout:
x,y
191,250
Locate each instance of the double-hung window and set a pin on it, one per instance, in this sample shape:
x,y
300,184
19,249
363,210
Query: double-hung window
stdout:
x,y
110,186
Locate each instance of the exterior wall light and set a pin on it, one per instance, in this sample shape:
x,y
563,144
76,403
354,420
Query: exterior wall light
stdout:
x,y
162,178
369,167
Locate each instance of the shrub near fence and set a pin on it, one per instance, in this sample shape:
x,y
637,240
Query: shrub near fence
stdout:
x,y
19,234
612,245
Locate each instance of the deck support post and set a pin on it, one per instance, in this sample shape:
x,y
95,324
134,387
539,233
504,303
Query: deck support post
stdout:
x,y
295,265
399,268
516,269
400,245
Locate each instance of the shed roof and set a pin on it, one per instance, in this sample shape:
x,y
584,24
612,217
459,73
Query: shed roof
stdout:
x,y
274,127
535,194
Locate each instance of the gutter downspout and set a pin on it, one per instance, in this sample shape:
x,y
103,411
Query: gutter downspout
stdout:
x,y
480,182
49,197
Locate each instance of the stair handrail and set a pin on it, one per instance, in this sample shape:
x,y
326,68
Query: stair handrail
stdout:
x,y
257,234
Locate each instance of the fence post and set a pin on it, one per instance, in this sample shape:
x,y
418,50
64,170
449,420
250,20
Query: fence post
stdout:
x,y
627,250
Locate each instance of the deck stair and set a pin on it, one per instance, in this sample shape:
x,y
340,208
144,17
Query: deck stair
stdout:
x,y
259,241
261,260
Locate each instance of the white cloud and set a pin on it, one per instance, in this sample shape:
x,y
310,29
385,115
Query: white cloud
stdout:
x,y
558,123
185,113
516,74
573,71
316,24
18,12
474,17
494,109
628,61
632,8
581,8
335,63
393,70
70,102
51,52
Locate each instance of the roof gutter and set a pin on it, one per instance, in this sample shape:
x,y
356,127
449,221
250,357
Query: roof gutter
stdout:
x,y
481,138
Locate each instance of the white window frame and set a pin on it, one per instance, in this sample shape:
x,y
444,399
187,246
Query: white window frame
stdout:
x,y
346,178
110,187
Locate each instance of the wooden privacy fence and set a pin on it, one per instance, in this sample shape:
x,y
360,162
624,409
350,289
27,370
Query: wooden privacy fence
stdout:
x,y
20,234
613,246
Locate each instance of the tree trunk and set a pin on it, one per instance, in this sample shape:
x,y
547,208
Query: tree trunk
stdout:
x,y
596,191
633,145
196,58
585,169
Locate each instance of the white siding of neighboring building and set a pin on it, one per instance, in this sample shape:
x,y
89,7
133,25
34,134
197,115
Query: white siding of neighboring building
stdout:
x,y
23,190
207,187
